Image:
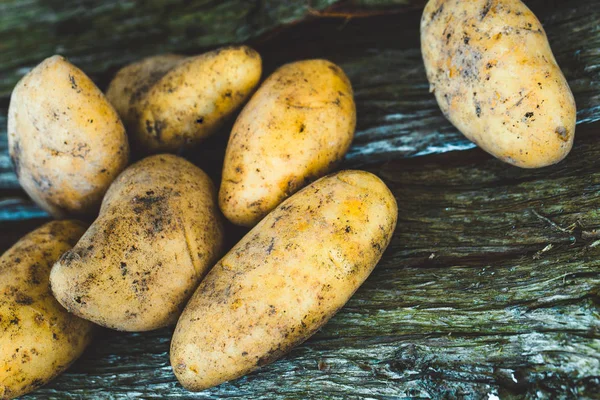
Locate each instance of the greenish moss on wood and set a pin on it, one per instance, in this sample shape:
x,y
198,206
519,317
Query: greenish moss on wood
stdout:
x,y
98,35
491,285
397,116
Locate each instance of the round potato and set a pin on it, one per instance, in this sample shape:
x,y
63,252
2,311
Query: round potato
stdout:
x,y
38,338
295,129
66,141
285,279
158,231
495,78
170,102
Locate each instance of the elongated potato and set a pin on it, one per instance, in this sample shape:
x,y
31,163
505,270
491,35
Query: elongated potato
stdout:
x,y
134,81
495,78
158,231
66,141
295,129
284,279
38,338
169,102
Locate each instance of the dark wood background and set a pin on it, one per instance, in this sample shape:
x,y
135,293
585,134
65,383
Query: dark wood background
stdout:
x,y
491,285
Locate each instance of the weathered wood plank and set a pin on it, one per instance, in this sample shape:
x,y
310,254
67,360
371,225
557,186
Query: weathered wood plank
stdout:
x,y
492,282
491,286
397,116
99,35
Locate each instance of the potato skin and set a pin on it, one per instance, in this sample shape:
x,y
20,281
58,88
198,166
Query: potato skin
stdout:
x,y
38,338
295,129
495,78
66,141
285,279
158,232
189,101
133,81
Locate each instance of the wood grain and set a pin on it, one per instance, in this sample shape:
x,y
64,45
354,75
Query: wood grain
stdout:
x,y
98,35
491,285
397,116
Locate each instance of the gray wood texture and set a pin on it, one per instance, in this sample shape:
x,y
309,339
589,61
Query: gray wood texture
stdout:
x,y
491,285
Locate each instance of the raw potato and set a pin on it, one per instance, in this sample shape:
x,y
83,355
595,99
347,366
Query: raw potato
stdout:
x,y
38,338
66,141
133,82
169,102
158,232
285,279
295,129
495,78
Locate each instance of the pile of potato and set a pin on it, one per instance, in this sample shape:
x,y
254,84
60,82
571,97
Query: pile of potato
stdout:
x,y
158,229
153,256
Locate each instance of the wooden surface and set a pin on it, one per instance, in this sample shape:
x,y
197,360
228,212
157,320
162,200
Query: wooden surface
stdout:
x,y
99,35
491,285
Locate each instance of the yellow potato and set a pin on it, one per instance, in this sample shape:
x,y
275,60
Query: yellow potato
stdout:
x,y
133,82
38,338
66,141
158,232
170,102
285,279
495,78
295,129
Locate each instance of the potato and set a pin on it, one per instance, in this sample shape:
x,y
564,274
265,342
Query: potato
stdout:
x,y
158,231
495,78
38,338
285,279
295,129
66,141
133,82
169,102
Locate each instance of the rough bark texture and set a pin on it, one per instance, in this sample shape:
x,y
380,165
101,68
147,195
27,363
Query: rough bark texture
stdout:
x,y
491,285
98,35
397,116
